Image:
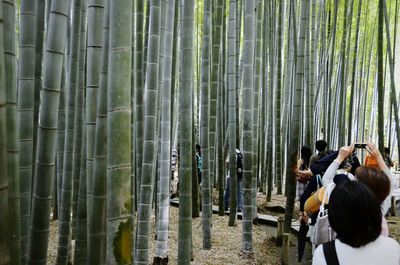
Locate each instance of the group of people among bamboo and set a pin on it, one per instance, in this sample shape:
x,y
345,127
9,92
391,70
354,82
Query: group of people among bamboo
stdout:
x,y
360,197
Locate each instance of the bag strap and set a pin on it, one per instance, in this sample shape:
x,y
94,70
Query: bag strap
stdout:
x,y
327,194
330,253
319,180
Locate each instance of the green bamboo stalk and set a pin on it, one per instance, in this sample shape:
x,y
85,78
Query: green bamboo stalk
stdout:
x,y
119,199
350,132
270,96
174,75
4,217
332,35
221,150
138,82
215,64
79,170
185,129
231,74
239,11
79,118
163,210
343,83
248,89
12,132
44,169
392,81
204,141
381,82
256,93
295,119
26,84
64,230
40,14
60,137
150,140
80,254
94,48
212,131
97,226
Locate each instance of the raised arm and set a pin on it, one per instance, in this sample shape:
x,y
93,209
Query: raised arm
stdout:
x,y
373,150
330,173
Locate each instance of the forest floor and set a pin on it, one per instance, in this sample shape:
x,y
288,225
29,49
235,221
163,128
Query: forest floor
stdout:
x,y
226,240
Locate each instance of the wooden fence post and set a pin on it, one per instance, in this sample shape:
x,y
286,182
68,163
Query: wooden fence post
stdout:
x,y
285,248
279,231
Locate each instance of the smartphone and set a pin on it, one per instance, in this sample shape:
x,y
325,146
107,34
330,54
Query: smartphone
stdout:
x,y
359,145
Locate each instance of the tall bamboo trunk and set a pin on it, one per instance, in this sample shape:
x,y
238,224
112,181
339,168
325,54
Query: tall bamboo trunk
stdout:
x,y
204,141
150,136
80,254
247,89
343,84
119,200
295,120
392,81
4,242
231,76
350,132
64,231
26,84
381,82
40,15
45,154
256,92
278,113
331,60
79,216
12,132
163,212
139,88
95,21
97,222
215,77
185,129
79,118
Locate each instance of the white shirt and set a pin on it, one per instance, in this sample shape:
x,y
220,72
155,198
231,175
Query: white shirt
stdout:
x,y
382,251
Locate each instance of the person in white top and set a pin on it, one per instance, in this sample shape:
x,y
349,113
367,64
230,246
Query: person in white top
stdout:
x,y
355,215
381,186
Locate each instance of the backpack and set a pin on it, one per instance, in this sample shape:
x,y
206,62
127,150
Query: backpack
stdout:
x,y
239,164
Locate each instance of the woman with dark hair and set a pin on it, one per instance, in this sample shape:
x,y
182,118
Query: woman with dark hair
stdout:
x,y
303,172
355,215
377,179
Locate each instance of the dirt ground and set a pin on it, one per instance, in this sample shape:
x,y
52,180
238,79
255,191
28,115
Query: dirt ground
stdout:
x,y
226,240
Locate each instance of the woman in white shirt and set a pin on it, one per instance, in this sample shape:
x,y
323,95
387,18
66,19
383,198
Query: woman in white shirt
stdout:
x,y
382,186
355,215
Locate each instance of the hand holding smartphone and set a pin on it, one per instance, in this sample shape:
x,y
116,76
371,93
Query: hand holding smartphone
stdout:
x,y
360,145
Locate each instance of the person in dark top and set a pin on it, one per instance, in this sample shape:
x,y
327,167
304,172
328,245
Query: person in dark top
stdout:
x,y
320,145
198,161
303,173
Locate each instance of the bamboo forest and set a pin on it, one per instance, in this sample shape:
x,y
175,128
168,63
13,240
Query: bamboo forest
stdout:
x,y
190,131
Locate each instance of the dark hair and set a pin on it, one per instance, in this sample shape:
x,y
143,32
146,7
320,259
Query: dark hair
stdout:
x,y
387,150
305,155
320,145
355,214
376,180
198,147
